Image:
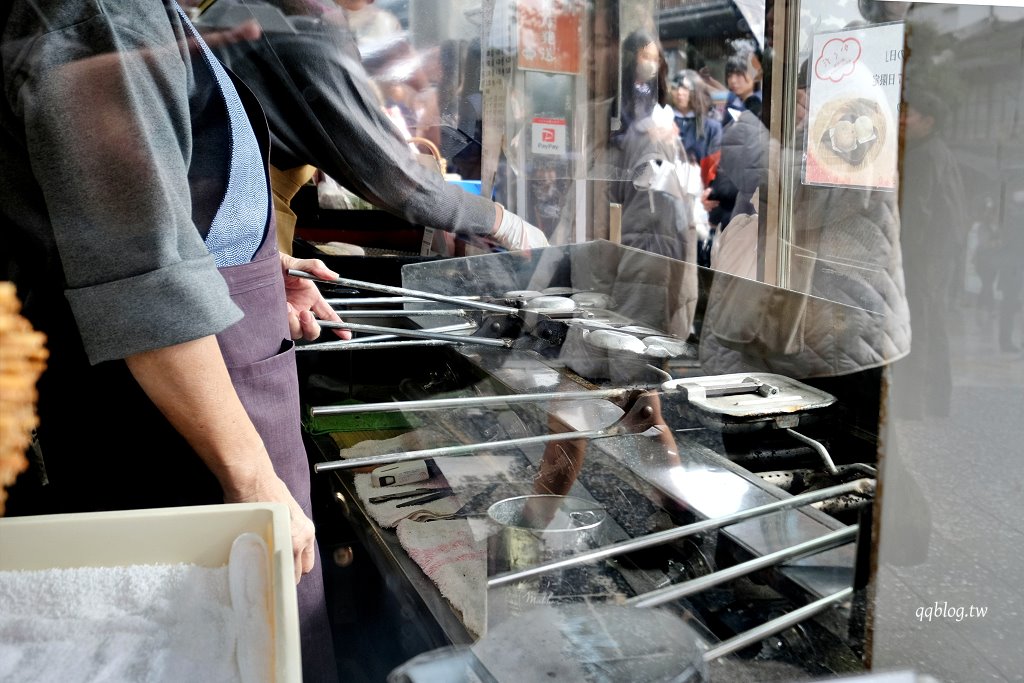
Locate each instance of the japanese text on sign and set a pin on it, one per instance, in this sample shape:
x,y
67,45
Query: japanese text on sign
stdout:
x,y
549,35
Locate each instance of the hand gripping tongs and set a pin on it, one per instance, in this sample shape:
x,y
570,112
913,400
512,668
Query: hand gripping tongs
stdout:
x,y
472,308
640,416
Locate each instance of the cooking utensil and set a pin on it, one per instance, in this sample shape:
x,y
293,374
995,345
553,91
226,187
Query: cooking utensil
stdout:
x,y
862,486
418,334
368,342
377,500
386,300
681,590
402,291
429,498
638,418
746,401
470,402
408,312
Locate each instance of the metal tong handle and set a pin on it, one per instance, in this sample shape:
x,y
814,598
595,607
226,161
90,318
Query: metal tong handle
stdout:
x,y
417,334
449,451
677,591
638,418
388,300
862,486
777,625
402,291
466,402
364,342
404,313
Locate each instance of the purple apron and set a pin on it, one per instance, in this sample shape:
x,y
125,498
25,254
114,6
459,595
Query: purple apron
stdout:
x,y
260,357
258,350
261,361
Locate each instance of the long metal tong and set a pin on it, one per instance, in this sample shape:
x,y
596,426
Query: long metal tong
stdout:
x,y
639,418
860,486
402,291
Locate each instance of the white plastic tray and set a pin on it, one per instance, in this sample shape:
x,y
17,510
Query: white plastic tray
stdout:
x,y
199,535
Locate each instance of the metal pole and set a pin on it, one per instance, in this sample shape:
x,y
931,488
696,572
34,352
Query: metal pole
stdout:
x,y
361,346
395,300
466,402
682,590
446,451
658,538
770,628
402,291
403,312
417,334
329,346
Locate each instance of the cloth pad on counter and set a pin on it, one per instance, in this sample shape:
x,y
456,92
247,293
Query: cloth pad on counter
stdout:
x,y
448,553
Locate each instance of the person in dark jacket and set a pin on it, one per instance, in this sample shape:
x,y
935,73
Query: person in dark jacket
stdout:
x,y
323,113
644,82
700,134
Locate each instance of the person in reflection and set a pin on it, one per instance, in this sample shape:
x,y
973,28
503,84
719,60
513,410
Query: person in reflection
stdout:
x,y
139,233
744,157
652,181
644,82
701,137
846,337
743,78
933,235
323,113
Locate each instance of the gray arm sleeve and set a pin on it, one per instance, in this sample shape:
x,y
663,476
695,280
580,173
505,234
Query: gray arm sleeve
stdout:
x,y
105,109
322,111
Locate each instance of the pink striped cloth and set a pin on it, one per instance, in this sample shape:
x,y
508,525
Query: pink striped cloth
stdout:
x,y
448,552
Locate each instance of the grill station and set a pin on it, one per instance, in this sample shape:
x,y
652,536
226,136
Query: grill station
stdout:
x,y
606,476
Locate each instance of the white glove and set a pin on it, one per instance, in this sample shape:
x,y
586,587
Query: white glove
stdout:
x,y
515,234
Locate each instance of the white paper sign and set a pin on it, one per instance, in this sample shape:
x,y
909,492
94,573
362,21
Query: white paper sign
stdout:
x,y
548,136
855,80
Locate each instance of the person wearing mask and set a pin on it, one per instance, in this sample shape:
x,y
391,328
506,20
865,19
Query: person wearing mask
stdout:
x,y
323,113
139,233
644,82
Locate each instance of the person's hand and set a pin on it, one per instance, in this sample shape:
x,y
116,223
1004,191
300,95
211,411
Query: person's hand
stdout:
x,y
268,488
708,204
305,300
515,234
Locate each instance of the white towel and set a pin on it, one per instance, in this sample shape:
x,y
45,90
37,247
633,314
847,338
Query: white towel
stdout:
x,y
141,623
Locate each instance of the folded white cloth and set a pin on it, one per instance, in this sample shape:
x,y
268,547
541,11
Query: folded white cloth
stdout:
x,y
145,623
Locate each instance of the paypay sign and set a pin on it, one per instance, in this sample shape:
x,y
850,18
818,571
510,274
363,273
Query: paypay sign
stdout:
x,y
548,136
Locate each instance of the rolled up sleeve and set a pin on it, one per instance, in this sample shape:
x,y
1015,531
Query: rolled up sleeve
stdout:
x,y
109,134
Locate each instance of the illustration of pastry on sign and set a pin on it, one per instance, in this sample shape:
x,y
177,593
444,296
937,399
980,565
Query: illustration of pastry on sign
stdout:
x,y
850,133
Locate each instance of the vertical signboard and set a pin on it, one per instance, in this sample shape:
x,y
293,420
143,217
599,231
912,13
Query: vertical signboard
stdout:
x,y
855,79
549,35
